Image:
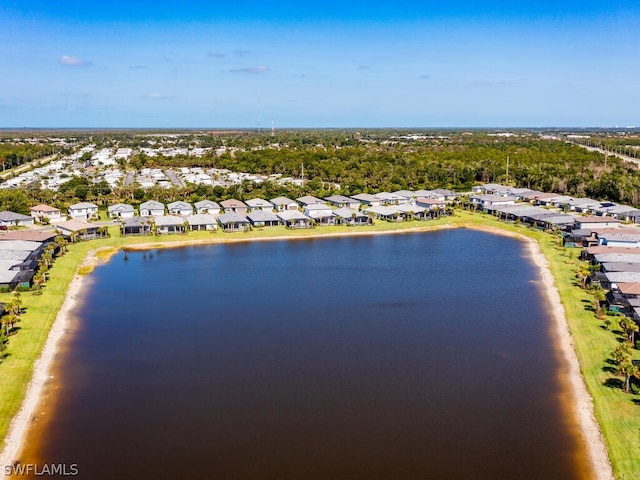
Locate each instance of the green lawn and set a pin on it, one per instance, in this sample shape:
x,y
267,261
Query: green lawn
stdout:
x,y
618,415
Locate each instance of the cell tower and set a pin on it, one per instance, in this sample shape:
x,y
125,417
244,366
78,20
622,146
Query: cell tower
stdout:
x,y
273,129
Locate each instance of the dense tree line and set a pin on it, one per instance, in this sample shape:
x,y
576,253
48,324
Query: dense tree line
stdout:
x,y
365,161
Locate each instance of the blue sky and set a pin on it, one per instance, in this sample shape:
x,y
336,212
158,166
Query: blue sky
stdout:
x,y
330,64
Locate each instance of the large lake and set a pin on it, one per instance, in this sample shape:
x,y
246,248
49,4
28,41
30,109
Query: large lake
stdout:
x,y
416,356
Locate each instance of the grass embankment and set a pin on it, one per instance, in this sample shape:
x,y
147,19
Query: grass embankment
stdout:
x,y
616,412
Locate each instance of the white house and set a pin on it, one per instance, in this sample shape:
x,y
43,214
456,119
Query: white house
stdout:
x,y
83,210
180,208
207,206
151,208
120,210
256,204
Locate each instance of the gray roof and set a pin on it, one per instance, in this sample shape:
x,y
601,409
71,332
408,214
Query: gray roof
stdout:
x,y
309,199
282,201
339,199
202,219
383,210
82,205
365,197
262,216
152,205
207,204
292,215
27,245
405,193
618,257
136,221
622,277
14,255
232,217
348,213
180,205
120,207
8,216
259,203
620,237
621,267
7,276
169,221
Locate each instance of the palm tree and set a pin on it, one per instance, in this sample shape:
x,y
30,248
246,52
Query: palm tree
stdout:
x,y
630,328
627,369
3,343
598,297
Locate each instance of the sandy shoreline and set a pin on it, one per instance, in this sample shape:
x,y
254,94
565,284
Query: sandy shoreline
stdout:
x,y
583,404
22,421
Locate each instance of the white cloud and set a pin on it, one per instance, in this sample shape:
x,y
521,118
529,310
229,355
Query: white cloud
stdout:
x,y
73,61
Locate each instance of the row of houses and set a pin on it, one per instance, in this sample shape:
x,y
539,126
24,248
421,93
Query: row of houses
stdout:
x,y
496,194
20,256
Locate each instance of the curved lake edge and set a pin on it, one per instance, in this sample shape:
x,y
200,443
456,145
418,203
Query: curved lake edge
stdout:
x,y
582,403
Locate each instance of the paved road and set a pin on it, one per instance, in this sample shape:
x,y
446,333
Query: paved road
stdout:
x,y
129,179
174,178
27,166
626,158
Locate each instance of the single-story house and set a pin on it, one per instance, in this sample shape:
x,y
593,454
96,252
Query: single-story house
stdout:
x,y
151,208
386,213
235,206
233,222
367,200
169,224
387,198
180,208
447,195
13,219
44,212
309,200
82,229
321,213
591,222
121,210
490,200
202,221
262,218
626,238
351,217
414,212
207,206
341,201
295,219
136,226
83,210
256,204
283,203
431,203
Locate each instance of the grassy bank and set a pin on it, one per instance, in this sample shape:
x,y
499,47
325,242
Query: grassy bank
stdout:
x,y
616,412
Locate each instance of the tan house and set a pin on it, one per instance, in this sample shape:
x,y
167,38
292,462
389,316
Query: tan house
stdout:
x,y
44,212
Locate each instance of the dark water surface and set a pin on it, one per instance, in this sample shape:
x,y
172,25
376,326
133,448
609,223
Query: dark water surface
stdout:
x,y
419,356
